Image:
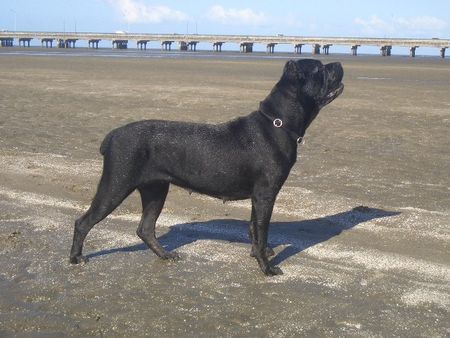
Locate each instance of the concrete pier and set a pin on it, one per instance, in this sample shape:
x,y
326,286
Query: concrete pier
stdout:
x,y
298,48
192,46
271,48
66,43
385,50
24,42
217,46
93,43
48,42
7,42
246,47
142,44
120,44
166,45
316,49
246,42
183,45
354,50
326,49
188,45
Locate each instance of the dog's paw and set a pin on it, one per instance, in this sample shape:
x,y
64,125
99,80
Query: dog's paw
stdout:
x,y
78,260
172,256
269,252
273,271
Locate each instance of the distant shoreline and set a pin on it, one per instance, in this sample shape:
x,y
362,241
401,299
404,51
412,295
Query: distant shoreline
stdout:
x,y
158,53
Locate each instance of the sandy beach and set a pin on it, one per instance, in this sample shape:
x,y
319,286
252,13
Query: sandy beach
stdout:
x,y
360,229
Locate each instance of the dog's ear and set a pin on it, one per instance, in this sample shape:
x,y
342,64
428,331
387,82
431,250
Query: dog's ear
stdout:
x,y
292,72
290,66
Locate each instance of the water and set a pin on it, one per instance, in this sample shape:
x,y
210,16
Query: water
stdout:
x,y
157,53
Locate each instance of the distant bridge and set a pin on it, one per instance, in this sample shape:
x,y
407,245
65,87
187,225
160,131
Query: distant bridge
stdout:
x,y
120,40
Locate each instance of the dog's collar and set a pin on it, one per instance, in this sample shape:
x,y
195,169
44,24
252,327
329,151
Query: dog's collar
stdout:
x,y
278,123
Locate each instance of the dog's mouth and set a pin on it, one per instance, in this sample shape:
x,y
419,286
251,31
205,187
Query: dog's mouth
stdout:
x,y
332,95
336,92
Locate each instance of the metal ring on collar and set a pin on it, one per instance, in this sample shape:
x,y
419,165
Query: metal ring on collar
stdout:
x,y
277,123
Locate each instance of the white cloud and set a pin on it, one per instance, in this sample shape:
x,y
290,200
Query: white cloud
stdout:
x,y
236,16
421,23
420,26
138,12
374,25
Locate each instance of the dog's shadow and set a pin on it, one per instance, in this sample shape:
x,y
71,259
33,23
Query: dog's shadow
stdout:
x,y
293,236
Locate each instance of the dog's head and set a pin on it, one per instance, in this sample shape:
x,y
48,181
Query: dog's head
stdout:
x,y
314,83
305,87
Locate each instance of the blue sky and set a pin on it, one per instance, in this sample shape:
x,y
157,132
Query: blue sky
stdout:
x,y
381,18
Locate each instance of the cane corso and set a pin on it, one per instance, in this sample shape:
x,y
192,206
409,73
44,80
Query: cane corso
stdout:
x,y
246,158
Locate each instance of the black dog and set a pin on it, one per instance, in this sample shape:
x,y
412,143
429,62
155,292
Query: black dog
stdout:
x,y
249,157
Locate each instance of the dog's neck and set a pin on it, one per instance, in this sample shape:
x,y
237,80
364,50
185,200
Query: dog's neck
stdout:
x,y
283,105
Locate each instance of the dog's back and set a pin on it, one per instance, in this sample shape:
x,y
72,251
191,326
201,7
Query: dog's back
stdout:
x,y
221,160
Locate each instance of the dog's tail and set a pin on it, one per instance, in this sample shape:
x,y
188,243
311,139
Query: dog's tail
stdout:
x,y
105,143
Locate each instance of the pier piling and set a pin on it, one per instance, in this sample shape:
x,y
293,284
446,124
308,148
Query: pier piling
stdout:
x,y
271,48
7,42
246,47
48,42
120,44
298,48
93,43
385,50
217,46
412,51
25,42
326,49
142,44
316,49
166,45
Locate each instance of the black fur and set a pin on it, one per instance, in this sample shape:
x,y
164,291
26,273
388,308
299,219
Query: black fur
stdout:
x,y
244,158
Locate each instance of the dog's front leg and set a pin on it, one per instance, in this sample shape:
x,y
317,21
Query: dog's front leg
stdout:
x,y
252,236
262,204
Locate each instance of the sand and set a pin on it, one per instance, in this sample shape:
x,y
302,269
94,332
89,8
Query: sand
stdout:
x,y
361,228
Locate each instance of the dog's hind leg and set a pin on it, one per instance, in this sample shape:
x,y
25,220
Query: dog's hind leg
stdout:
x,y
153,196
112,190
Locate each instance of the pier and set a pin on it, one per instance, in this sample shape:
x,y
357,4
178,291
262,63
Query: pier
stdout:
x,y
188,42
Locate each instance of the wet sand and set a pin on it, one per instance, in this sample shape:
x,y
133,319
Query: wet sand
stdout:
x,y
361,228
